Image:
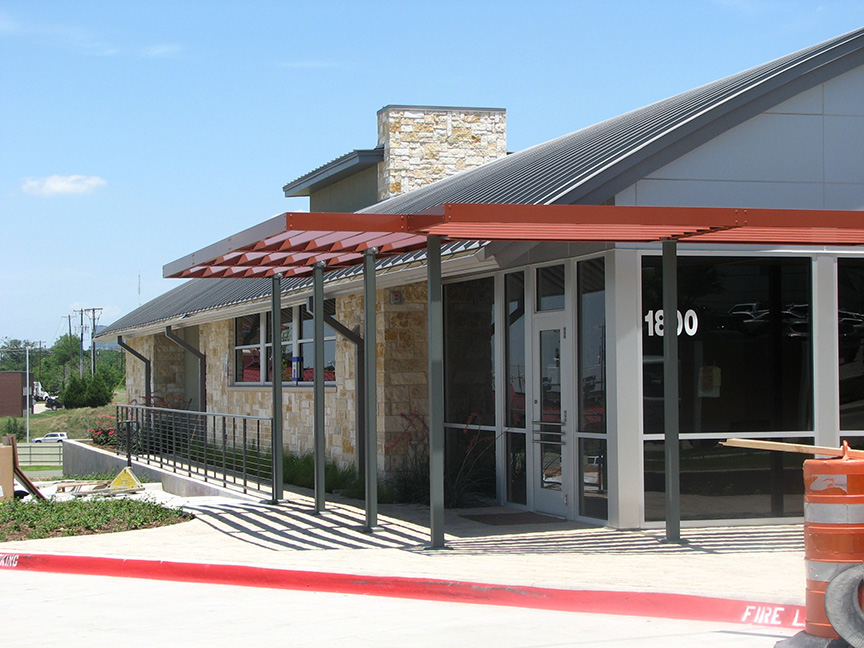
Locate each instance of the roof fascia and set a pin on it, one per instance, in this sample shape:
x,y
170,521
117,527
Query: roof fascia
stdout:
x,y
452,265
332,172
686,138
268,228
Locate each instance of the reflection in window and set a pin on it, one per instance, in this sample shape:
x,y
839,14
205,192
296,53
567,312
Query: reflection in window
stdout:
x,y
744,345
252,343
592,346
514,343
719,482
517,471
550,288
593,486
850,330
469,370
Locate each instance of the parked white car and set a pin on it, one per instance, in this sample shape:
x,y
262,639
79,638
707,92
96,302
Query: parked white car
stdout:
x,y
52,437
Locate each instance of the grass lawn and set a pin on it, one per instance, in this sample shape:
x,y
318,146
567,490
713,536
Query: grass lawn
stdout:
x,y
77,422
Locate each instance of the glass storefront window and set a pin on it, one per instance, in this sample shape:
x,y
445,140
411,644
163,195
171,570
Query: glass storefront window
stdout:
x,y
247,330
287,327
719,482
592,345
307,361
296,356
745,349
550,288
469,466
247,365
593,487
469,368
514,343
517,470
850,331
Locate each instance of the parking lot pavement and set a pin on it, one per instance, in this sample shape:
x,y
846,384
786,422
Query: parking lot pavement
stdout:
x,y
88,611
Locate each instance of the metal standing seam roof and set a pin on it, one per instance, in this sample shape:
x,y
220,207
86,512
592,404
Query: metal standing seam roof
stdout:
x,y
587,166
591,165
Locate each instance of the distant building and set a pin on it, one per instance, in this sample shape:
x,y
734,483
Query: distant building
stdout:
x,y
13,393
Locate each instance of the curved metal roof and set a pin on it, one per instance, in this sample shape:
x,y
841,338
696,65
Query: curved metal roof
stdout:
x,y
591,165
588,166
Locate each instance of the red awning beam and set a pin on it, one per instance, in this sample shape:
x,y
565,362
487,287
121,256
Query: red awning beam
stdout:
x,y
293,242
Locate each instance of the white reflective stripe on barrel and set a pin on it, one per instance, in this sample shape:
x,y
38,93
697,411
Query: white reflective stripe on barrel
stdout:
x,y
834,513
824,482
825,571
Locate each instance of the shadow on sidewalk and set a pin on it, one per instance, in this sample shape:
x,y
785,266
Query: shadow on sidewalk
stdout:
x,y
293,525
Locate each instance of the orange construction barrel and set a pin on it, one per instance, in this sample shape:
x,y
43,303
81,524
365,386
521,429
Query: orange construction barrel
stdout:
x,y
833,530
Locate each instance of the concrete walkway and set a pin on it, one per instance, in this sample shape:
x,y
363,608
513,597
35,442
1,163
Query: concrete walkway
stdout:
x,y
517,553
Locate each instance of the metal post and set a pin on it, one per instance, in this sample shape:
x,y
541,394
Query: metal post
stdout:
x,y
436,393
29,388
370,360
276,432
318,383
148,389
670,389
202,366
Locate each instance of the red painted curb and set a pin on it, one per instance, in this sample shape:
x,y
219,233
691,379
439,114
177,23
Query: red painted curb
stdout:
x,y
650,604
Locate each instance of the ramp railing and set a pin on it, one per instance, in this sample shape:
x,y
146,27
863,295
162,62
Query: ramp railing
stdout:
x,y
228,449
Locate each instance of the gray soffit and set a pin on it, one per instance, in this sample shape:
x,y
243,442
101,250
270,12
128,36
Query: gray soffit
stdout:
x,y
332,172
591,165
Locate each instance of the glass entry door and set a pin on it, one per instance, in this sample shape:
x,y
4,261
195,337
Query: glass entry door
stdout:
x,y
549,424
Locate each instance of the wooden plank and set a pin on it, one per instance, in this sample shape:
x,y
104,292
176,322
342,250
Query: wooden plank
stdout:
x,y
801,448
23,479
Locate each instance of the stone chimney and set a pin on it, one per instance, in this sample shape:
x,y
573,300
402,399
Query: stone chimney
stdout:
x,y
423,144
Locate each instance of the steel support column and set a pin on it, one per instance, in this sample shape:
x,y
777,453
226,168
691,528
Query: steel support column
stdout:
x,y
148,389
670,389
318,382
370,362
276,449
202,366
436,393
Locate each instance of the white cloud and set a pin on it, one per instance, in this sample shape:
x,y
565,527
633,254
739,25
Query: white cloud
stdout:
x,y
57,184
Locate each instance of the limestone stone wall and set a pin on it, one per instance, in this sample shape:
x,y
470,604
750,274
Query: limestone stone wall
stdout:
x,y
425,144
167,371
401,379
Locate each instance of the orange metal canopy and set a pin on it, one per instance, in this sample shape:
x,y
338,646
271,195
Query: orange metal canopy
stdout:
x,y
293,243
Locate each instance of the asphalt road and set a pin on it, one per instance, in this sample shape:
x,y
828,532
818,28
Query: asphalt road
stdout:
x,y
54,610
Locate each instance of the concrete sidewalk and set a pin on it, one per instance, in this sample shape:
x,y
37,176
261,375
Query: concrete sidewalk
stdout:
x,y
756,566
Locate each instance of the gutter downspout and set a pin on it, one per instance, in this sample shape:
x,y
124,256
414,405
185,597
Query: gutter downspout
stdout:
x,y
202,366
148,389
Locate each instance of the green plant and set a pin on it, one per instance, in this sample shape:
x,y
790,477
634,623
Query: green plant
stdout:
x,y
469,470
49,518
299,470
87,391
101,436
15,427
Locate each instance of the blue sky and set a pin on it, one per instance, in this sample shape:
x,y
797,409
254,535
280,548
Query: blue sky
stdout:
x,y
133,133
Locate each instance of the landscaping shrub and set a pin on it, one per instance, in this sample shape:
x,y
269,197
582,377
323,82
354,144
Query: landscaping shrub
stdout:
x,y
15,427
89,391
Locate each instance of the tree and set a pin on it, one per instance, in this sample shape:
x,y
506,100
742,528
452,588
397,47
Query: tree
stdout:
x,y
98,392
75,394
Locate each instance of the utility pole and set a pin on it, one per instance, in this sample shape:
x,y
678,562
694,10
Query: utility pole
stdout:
x,y
29,390
81,345
71,359
92,312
